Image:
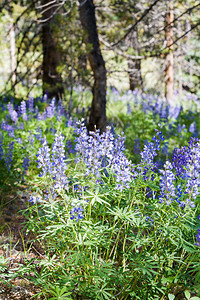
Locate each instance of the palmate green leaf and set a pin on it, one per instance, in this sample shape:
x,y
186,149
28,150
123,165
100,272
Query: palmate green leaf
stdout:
x,y
126,214
54,229
101,290
95,197
60,294
50,261
95,234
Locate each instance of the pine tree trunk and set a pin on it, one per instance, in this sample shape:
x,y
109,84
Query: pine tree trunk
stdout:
x,y
134,66
135,78
52,81
98,110
169,60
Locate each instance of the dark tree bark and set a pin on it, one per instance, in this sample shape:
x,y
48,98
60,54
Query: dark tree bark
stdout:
x,y
97,116
52,81
135,78
134,66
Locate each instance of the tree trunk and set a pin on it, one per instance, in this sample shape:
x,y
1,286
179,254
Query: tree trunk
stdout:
x,y
52,81
134,66
169,60
98,110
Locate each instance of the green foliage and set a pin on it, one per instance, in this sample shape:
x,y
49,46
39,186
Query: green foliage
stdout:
x,y
3,263
128,245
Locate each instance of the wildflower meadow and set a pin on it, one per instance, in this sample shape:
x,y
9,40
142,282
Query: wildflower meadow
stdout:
x,y
116,214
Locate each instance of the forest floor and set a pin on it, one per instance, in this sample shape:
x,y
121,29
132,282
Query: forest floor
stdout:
x,y
16,246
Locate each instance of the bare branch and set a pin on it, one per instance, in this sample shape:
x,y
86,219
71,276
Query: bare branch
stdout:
x,y
136,23
177,18
17,81
55,11
55,5
133,57
180,37
47,4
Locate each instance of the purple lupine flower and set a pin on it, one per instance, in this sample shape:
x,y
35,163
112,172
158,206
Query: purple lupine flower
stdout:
x,y
25,165
23,107
9,155
70,147
19,140
53,130
45,97
129,110
180,128
179,160
23,110
54,165
31,104
121,169
192,127
12,112
9,128
51,109
50,194
38,135
144,107
76,213
182,156
39,116
43,160
3,125
148,153
21,126
103,151
18,109
179,194
165,149
1,146
198,238
60,108
167,187
44,115
193,142
192,174
10,107
69,122
186,162
58,163
174,111
34,200
43,140
149,220
164,112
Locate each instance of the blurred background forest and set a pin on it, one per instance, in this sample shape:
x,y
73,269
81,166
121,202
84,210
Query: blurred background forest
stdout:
x,y
152,46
